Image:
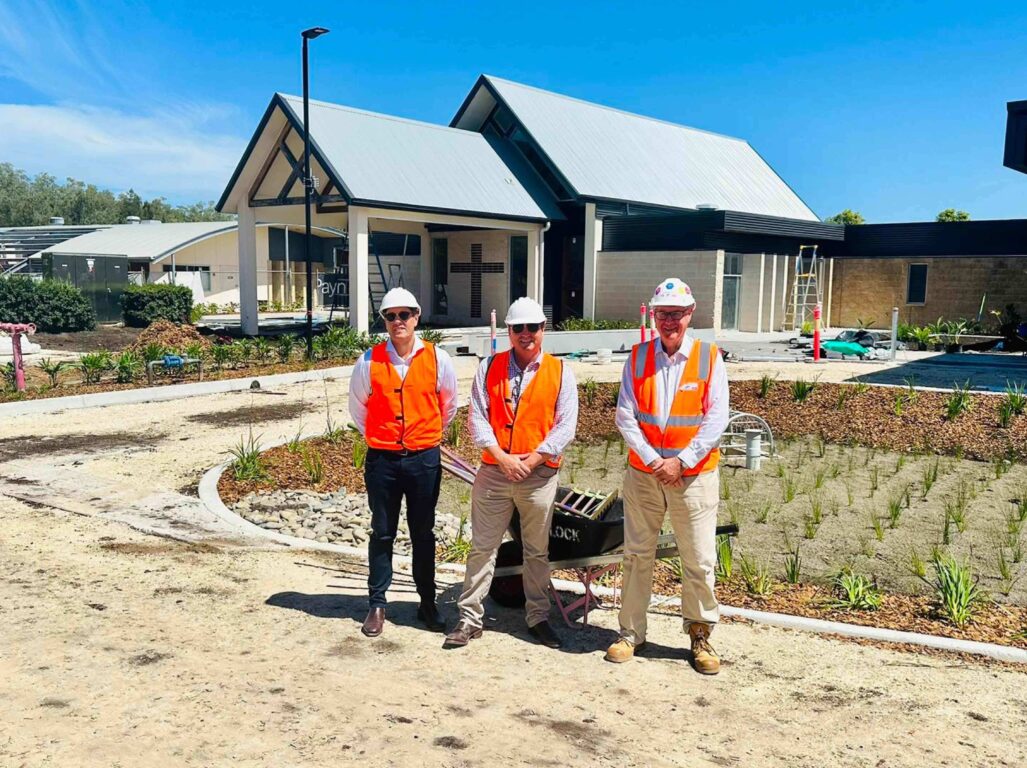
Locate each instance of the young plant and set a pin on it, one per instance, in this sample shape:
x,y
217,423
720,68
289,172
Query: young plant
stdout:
x,y
359,451
802,389
809,527
94,365
725,488
725,558
844,393
154,351
956,589
899,463
767,383
1015,398
10,376
787,488
793,565
930,477
195,351
452,436
848,493
127,367
860,387
285,346
959,402
52,369
295,443
816,512
756,576
457,550
314,465
874,479
875,524
222,355
895,511
917,566
818,478
1005,571
763,513
432,335
855,592
247,465
591,390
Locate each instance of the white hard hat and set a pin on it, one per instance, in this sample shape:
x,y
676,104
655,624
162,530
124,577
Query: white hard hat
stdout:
x,y
525,310
672,293
399,297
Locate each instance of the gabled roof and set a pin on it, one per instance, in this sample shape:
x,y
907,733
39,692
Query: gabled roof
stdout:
x,y
383,161
607,154
142,241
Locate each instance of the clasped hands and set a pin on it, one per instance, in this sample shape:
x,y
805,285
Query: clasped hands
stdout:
x,y
517,466
668,471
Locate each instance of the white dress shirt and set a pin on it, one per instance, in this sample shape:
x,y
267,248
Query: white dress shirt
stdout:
x,y
566,420
669,369
360,382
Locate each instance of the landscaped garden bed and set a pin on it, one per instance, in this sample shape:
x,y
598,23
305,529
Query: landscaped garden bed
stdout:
x,y
109,371
844,531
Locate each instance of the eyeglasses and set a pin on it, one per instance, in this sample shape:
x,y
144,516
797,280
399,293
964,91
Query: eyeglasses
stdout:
x,y
677,315
532,327
394,316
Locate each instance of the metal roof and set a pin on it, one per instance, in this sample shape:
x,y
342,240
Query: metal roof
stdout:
x,y
394,162
142,241
605,153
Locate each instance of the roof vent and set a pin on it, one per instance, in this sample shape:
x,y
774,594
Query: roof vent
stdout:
x,y
705,207
132,219
57,221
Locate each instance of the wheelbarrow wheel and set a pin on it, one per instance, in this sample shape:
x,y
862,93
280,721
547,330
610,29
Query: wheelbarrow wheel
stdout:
x,y
508,591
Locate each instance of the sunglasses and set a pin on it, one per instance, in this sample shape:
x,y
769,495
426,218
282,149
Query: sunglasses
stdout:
x,y
394,316
661,315
532,327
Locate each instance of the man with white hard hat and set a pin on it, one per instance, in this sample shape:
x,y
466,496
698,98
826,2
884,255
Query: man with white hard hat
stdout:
x,y
672,411
402,396
524,411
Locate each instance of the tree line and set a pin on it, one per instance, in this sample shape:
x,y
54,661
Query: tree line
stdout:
x,y
849,216
31,201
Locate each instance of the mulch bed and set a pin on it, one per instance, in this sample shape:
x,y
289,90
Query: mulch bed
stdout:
x,y
868,418
170,336
993,623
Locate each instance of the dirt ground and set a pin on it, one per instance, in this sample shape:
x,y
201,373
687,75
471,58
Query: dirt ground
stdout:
x,y
109,337
220,650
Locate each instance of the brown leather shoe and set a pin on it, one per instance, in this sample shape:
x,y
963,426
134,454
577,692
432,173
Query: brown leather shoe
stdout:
x,y
374,623
428,615
622,651
704,658
544,633
462,635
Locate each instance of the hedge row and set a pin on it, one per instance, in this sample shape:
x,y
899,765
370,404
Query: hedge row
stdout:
x,y
146,304
52,306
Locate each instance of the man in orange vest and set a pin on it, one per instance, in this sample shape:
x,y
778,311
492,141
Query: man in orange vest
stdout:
x,y
402,396
524,411
672,411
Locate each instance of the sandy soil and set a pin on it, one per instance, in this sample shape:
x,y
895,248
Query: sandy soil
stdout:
x,y
121,648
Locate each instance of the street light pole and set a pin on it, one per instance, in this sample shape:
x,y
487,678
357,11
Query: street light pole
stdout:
x,y
308,183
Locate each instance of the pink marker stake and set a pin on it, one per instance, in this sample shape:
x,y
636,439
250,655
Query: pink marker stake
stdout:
x,y
816,333
641,322
652,324
492,322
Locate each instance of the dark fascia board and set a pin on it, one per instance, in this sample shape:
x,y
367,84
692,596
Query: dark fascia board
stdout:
x,y
1016,136
277,102
483,82
392,206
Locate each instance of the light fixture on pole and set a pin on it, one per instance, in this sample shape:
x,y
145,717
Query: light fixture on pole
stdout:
x,y
308,184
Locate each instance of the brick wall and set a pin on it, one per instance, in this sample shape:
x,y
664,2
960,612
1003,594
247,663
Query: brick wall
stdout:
x,y
625,279
867,289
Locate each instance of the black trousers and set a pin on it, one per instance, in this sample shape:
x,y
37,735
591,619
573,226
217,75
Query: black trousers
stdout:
x,y
390,478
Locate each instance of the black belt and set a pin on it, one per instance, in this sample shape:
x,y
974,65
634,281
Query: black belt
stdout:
x,y
402,452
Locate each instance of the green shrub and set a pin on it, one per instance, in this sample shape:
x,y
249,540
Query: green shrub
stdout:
x,y
584,324
432,335
146,304
51,305
127,367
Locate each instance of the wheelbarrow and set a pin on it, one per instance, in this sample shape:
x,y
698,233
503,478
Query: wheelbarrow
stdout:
x,y
589,546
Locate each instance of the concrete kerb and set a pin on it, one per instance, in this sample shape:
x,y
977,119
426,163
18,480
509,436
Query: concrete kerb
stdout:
x,y
169,392
209,496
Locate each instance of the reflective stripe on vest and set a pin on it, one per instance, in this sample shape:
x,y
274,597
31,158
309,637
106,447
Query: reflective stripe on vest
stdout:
x,y
404,412
686,409
523,429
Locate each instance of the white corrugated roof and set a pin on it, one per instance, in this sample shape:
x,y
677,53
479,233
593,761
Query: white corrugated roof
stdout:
x,y
141,241
395,161
607,153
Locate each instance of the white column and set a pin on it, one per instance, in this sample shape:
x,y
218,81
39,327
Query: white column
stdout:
x,y
535,264
593,244
427,294
830,287
359,248
248,270
773,289
718,293
759,307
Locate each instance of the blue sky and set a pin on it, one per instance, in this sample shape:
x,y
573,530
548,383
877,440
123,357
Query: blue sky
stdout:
x,y
894,109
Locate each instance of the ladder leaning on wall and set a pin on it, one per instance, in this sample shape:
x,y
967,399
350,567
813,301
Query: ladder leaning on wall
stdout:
x,y
806,291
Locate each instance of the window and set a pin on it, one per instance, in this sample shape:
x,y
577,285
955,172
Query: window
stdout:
x,y
518,267
732,264
916,284
204,273
440,276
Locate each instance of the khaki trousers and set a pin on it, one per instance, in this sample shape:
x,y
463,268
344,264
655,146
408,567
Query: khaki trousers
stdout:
x,y
693,514
492,504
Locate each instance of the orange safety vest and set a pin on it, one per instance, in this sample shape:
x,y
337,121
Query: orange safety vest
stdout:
x,y
686,411
523,429
404,413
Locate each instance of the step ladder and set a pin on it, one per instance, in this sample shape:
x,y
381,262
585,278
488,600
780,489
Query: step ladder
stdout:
x,y
378,284
806,291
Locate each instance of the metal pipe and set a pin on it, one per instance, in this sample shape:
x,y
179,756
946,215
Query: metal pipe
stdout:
x,y
894,331
753,448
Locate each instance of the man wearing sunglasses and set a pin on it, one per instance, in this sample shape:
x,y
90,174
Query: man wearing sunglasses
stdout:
x,y
672,411
402,396
524,411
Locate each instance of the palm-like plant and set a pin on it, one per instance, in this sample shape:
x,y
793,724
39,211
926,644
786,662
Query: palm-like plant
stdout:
x,y
52,369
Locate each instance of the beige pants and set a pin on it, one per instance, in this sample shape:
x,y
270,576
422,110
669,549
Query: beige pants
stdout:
x,y
492,504
693,514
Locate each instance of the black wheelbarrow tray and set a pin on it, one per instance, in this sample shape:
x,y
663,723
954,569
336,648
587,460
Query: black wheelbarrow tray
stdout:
x,y
588,547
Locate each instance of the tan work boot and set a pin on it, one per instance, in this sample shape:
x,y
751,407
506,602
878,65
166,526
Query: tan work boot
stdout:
x,y
622,651
705,658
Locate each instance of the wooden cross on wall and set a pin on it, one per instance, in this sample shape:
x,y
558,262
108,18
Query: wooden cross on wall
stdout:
x,y
476,268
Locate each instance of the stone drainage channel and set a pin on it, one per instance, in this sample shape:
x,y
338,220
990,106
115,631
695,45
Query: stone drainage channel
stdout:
x,y
339,522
